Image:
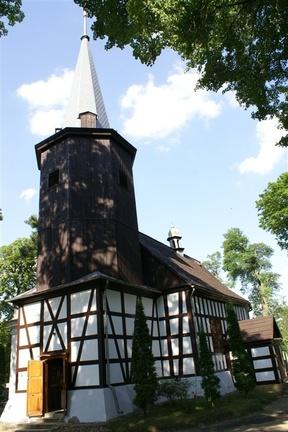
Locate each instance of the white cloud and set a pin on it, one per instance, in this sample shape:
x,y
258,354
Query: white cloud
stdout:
x,y
46,101
27,194
269,155
157,111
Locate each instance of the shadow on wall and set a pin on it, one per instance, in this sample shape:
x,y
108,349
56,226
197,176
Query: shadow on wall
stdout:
x,y
87,217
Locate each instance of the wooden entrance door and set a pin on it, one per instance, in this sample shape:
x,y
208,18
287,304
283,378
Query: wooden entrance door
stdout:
x,y
35,388
55,387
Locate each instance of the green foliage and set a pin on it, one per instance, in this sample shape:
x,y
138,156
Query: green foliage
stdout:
x,y
17,270
11,11
173,389
213,264
272,207
250,264
5,344
242,367
280,313
143,374
236,45
210,381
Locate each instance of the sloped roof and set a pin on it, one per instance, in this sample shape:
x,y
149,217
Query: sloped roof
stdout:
x,y
85,93
260,329
188,269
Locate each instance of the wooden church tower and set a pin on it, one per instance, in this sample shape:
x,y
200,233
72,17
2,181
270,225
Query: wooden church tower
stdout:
x,y
73,332
87,212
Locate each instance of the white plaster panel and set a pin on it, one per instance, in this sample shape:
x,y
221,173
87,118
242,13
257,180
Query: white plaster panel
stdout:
x,y
209,307
129,326
54,304
92,325
117,323
63,331
260,351
32,312
185,325
90,350
36,353
77,326
130,303
63,310
46,332
74,350
112,349
87,375
34,334
205,306
155,348
23,358
262,364
166,367
158,368
148,306
174,326
173,303
114,300
208,327
164,346
160,308
22,381
155,329
265,376
176,366
184,307
162,328
129,347
188,366
115,373
187,348
175,346
23,337
80,300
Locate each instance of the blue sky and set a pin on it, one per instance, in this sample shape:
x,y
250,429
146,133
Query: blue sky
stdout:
x,y
201,160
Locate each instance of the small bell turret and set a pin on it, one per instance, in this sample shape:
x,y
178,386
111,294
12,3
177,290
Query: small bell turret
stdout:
x,y
174,237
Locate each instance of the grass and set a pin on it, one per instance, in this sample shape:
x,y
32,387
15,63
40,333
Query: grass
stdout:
x,y
179,415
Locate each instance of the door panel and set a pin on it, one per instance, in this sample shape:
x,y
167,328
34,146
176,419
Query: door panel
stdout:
x,y
35,388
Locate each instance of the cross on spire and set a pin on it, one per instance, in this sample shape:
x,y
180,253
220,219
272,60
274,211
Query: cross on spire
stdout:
x,y
85,16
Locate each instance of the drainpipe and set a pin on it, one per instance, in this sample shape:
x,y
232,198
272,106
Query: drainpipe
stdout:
x,y
106,344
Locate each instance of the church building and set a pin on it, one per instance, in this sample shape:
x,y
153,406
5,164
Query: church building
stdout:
x,y
72,338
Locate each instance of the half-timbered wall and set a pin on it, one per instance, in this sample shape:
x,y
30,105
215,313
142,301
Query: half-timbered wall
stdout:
x,y
173,336
210,316
265,363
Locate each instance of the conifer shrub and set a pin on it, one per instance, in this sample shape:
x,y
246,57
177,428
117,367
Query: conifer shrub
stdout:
x,y
242,368
143,374
210,382
173,389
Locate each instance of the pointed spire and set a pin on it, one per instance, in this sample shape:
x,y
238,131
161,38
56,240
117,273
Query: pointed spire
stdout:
x,y
85,94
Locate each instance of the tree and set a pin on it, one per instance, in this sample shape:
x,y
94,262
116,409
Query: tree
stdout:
x,y
213,264
272,207
17,269
280,313
250,264
11,11
242,367
210,382
236,45
143,374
